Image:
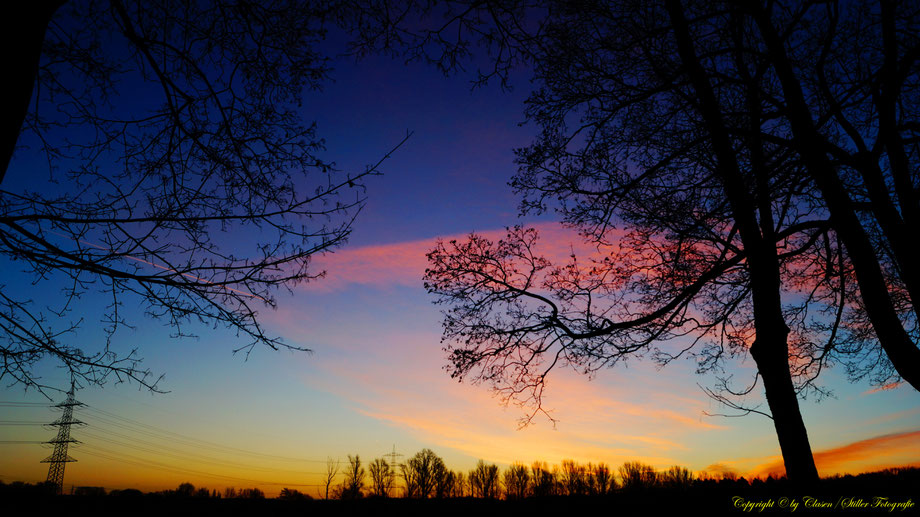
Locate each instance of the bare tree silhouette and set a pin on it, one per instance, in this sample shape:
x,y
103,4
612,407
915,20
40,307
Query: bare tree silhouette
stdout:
x,y
459,486
423,473
573,478
600,479
760,156
711,217
180,176
635,475
332,470
635,132
485,481
676,478
383,477
353,485
444,480
517,481
849,99
544,479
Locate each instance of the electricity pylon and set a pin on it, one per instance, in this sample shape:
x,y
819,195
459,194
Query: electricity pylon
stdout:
x,y
393,456
59,457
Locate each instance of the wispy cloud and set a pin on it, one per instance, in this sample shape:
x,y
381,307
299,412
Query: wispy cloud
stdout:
x,y
888,450
597,421
609,421
720,469
886,387
404,263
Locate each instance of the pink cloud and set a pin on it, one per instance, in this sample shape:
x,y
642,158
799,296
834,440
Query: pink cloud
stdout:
x,y
578,395
886,387
892,417
404,263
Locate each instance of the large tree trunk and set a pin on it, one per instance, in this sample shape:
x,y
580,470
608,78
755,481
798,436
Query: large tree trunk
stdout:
x,y
770,349
894,339
771,353
907,222
23,31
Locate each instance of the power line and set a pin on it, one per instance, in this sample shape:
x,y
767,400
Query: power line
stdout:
x,y
115,431
128,439
128,424
157,432
146,446
141,462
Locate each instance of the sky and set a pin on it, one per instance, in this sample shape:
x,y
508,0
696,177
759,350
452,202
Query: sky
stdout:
x,y
375,378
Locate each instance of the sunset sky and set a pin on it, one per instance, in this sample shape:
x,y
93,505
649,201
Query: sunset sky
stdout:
x,y
375,379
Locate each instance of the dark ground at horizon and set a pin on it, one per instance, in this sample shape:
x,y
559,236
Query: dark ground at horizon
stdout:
x,y
831,496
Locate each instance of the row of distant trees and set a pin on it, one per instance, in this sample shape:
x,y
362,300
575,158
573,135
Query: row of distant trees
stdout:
x,y
184,490
189,490
425,475
517,482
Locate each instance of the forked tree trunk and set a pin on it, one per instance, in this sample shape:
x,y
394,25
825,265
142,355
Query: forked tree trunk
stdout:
x,y
770,349
893,338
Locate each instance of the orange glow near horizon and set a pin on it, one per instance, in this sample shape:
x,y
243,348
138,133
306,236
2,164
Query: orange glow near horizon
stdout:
x,y
869,455
141,470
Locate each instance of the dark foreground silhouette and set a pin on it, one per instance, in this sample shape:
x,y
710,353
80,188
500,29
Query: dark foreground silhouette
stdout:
x,y
889,492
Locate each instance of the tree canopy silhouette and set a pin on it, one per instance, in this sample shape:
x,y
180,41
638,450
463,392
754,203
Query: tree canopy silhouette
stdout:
x,y
423,475
181,176
703,240
355,473
383,477
845,76
717,155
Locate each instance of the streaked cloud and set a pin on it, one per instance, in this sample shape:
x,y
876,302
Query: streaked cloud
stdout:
x,y
888,450
610,420
719,470
404,263
886,387
598,421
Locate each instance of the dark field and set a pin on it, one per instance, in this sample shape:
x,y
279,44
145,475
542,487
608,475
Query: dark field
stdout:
x,y
892,492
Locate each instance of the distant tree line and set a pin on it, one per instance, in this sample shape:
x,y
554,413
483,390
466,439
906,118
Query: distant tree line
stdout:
x,y
425,475
428,478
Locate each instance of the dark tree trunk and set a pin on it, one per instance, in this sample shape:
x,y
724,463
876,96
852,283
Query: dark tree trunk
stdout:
x,y
23,31
771,353
899,227
770,349
901,350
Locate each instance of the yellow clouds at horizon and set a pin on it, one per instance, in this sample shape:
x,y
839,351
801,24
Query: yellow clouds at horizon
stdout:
x,y
597,421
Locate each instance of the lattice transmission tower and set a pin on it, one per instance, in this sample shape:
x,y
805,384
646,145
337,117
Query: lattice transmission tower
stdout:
x,y
59,457
393,456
